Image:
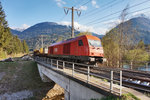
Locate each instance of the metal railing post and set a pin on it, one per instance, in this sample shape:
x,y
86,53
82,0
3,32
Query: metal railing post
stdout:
x,y
88,74
63,65
51,62
111,82
57,64
73,69
120,82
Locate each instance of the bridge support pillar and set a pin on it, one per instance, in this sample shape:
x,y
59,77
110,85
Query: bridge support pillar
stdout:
x,y
67,95
44,77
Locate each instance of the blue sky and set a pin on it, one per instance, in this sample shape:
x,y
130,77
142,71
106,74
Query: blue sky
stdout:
x,y
97,15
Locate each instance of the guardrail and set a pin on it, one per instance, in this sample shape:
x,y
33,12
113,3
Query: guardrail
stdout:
x,y
74,67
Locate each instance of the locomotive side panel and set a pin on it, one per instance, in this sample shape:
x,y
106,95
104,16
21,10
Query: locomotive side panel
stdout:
x,y
74,48
66,48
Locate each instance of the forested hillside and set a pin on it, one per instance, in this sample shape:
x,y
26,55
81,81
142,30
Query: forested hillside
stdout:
x,y
9,44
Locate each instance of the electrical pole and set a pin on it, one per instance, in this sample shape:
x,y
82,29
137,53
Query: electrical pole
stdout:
x,y
72,23
72,17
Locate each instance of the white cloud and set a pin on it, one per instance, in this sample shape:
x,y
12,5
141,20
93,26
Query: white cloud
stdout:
x,y
60,3
22,28
84,28
141,13
94,4
112,22
83,8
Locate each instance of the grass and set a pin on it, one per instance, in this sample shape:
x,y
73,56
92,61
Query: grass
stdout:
x,y
127,96
3,55
23,75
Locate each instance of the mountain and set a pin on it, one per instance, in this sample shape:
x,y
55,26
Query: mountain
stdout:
x,y
99,36
45,28
139,26
51,32
142,26
15,32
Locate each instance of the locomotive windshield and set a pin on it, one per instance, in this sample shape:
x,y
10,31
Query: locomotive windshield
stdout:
x,y
94,43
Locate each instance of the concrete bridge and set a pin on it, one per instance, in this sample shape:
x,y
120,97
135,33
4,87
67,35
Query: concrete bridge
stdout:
x,y
77,84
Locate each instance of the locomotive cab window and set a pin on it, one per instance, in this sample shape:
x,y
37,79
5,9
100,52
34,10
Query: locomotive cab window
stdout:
x,y
80,43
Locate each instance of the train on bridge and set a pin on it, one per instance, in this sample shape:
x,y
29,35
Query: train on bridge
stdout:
x,y
85,48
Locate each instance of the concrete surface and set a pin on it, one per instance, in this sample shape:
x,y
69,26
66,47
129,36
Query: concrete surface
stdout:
x,y
73,90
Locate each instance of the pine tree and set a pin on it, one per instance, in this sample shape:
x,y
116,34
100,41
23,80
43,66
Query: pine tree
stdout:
x,y
5,34
25,47
9,44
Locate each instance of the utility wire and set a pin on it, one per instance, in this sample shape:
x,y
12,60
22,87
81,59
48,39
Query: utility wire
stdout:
x,y
103,9
86,3
83,3
78,3
117,16
95,9
116,12
62,17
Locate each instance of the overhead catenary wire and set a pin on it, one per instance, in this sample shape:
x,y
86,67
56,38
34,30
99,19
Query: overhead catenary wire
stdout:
x,y
79,4
96,23
101,10
116,12
86,2
62,18
91,12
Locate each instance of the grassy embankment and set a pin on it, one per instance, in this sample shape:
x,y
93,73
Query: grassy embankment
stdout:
x,y
127,96
3,55
23,75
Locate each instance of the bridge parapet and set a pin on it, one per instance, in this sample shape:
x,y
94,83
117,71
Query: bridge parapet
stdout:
x,y
74,79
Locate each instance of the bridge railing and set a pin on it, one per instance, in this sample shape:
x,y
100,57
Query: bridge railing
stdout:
x,y
114,85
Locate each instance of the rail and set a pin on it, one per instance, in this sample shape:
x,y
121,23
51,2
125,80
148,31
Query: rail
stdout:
x,y
61,65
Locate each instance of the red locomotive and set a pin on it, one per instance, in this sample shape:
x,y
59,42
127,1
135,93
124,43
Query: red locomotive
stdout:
x,y
86,48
